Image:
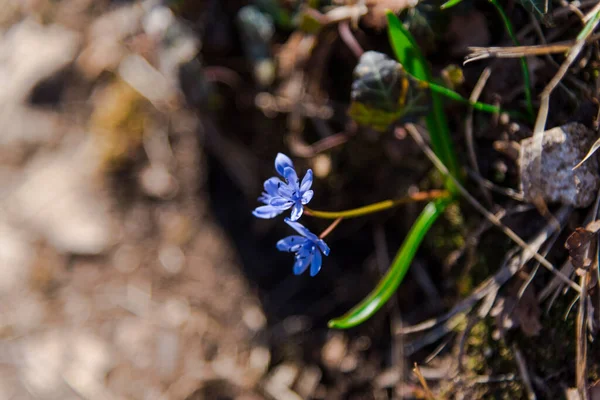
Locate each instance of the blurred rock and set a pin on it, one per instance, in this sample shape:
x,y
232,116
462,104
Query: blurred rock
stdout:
x,y
171,258
334,350
30,53
59,201
563,147
106,49
16,257
156,181
308,381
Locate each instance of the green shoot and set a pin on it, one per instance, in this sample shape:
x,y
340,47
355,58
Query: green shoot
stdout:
x,y
409,55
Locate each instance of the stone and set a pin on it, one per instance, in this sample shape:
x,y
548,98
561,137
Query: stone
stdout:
x,y
563,148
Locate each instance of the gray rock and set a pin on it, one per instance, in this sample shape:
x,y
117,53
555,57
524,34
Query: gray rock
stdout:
x,y
563,148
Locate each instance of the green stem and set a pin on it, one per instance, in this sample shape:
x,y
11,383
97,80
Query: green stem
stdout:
x,y
489,108
389,283
524,67
377,207
457,97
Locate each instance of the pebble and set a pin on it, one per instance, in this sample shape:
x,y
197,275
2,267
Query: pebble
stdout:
x,y
563,147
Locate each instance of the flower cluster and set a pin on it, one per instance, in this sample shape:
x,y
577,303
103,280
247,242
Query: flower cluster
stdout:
x,y
280,196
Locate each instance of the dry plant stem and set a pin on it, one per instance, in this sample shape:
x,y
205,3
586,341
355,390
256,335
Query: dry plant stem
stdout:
x,y
573,9
524,372
513,194
428,394
488,215
591,13
350,39
469,130
480,53
581,339
486,290
330,228
299,148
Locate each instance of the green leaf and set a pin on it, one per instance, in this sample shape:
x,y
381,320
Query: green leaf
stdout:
x,y
392,279
406,49
450,3
382,92
409,55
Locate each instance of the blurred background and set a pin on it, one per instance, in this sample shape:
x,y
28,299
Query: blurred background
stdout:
x,y
135,138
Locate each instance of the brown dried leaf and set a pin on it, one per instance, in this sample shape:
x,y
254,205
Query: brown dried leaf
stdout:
x,y
511,312
582,246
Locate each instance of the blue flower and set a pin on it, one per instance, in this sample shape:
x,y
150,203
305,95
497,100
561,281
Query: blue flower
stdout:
x,y
308,248
280,196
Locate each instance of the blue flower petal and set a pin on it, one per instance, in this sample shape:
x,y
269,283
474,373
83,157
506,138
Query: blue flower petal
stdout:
x,y
267,212
301,264
282,162
264,198
286,191
307,181
298,227
292,178
291,243
272,185
281,202
317,261
323,246
296,211
307,196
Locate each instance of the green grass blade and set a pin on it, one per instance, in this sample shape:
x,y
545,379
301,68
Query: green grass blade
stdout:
x,y
450,3
392,279
409,55
524,67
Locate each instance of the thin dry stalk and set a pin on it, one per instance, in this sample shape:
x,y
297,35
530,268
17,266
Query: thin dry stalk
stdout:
x,y
349,38
581,339
481,53
513,263
591,13
469,130
412,129
428,394
513,194
300,148
524,373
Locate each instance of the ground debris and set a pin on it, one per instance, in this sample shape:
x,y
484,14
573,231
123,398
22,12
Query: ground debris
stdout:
x,y
563,148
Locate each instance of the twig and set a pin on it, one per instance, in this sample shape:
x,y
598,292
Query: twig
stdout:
x,y
533,272
428,394
469,130
512,264
524,372
581,339
349,39
488,215
513,194
299,148
480,53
